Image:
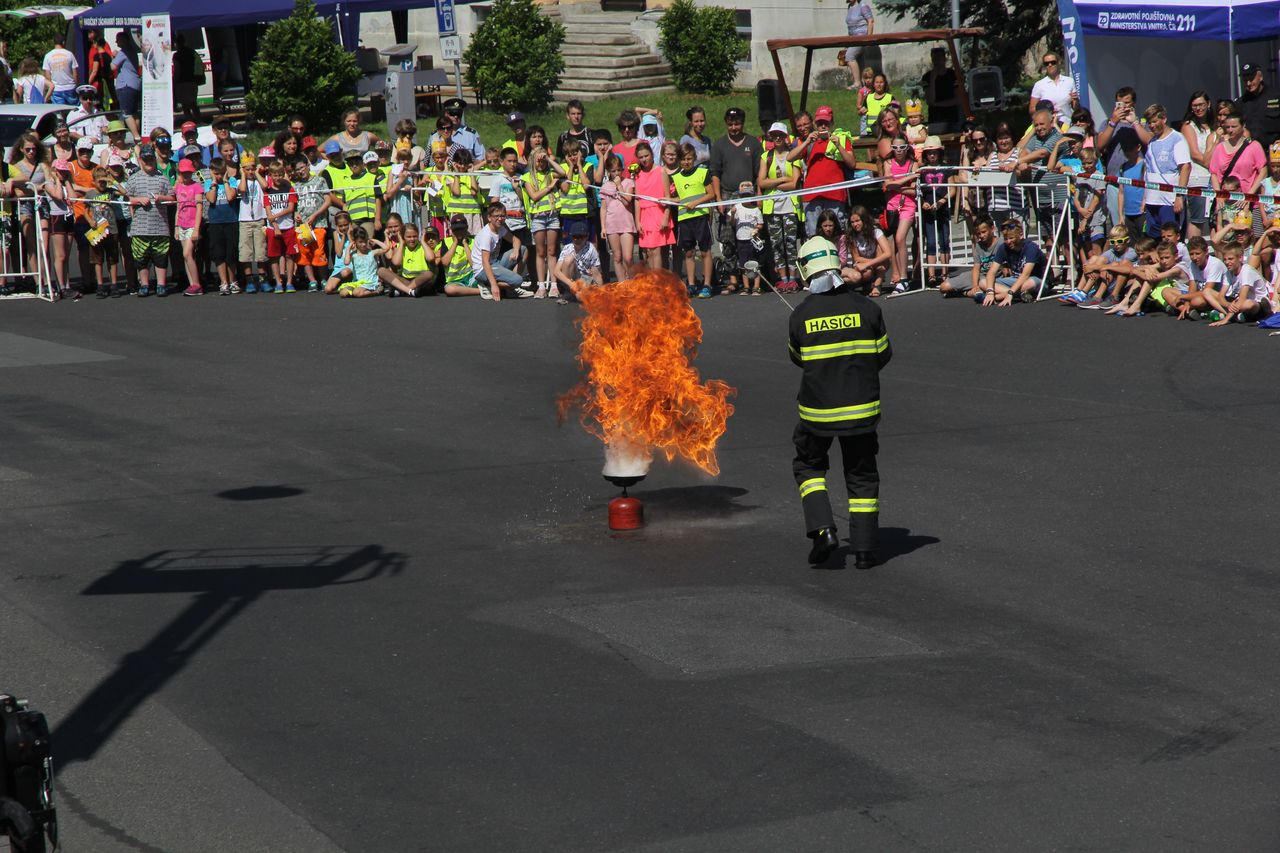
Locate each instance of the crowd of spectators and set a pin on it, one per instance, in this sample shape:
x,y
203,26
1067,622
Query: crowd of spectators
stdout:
x,y
444,212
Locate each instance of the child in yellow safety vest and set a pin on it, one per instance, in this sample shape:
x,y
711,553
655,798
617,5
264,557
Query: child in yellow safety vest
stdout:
x,y
573,203
462,194
693,224
544,222
782,216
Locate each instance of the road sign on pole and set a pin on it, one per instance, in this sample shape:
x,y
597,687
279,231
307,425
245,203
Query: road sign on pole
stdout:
x,y
446,22
451,48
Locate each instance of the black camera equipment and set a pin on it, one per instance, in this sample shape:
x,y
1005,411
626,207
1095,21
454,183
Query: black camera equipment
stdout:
x,y
27,815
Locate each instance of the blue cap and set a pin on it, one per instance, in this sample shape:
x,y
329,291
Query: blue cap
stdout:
x,y
331,147
648,118
579,229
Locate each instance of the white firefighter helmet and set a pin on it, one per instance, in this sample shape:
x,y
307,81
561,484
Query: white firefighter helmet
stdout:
x,y
819,264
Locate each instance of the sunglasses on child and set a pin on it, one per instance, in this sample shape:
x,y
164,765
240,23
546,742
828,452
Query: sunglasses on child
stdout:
x,y
1119,242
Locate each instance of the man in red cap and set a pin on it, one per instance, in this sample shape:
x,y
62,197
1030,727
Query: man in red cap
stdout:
x,y
826,152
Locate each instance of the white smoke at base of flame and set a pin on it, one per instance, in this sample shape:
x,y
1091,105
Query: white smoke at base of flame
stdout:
x,y
624,459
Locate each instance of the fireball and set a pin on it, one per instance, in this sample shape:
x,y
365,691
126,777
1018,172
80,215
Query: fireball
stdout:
x,y
640,393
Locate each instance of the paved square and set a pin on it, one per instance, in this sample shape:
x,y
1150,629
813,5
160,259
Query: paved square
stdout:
x,y
727,630
22,351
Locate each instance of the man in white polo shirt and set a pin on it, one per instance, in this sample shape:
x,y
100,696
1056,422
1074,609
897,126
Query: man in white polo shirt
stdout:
x,y
1057,87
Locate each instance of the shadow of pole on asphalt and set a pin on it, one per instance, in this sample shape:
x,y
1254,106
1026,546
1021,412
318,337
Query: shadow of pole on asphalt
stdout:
x,y
224,581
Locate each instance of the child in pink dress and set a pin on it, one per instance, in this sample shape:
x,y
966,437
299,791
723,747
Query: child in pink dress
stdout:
x,y
617,221
654,217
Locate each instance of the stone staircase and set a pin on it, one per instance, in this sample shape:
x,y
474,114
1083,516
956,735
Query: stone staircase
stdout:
x,y
603,57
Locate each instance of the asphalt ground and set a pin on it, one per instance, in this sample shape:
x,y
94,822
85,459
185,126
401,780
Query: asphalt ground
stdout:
x,y
296,573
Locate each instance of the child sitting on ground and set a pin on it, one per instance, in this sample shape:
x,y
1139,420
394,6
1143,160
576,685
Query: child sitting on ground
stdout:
x,y
1141,275
1206,273
455,257
985,243
578,261
341,271
1171,290
1247,295
363,260
1103,280
409,262
1023,264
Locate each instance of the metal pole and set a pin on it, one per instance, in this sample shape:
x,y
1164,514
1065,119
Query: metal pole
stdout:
x,y
955,14
457,76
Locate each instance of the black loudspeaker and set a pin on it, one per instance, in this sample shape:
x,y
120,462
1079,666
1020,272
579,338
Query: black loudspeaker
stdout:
x,y
770,106
986,88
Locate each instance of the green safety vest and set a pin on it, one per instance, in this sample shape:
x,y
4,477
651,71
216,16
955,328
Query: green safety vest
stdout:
x,y
547,203
690,186
573,202
772,171
436,203
358,193
338,175
460,266
413,261
466,201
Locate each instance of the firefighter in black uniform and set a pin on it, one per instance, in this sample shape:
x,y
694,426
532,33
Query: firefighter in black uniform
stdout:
x,y
838,338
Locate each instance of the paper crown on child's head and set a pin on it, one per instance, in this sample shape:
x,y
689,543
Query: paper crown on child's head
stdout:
x,y
1275,151
1243,221
913,107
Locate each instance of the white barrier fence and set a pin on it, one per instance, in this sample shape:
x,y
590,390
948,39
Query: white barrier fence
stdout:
x,y
23,250
1044,208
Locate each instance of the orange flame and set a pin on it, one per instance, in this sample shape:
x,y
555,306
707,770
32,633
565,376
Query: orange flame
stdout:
x,y
638,338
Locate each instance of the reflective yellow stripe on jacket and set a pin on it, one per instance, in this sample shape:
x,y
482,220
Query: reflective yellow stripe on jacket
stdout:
x,y
841,348
844,413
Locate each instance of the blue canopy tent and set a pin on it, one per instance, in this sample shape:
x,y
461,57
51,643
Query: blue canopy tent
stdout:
x,y
1166,49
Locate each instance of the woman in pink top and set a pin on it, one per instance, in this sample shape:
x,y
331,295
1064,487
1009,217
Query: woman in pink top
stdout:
x,y
1251,163
654,216
617,222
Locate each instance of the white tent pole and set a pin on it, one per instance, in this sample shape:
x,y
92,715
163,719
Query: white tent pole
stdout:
x,y
1231,47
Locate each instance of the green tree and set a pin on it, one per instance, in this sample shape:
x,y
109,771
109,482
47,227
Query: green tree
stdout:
x,y
702,45
514,57
1013,27
32,37
300,68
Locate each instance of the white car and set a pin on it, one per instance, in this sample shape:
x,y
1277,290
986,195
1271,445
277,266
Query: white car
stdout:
x,y
16,119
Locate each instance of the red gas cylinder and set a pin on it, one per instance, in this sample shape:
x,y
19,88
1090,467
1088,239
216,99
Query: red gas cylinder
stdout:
x,y
626,513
